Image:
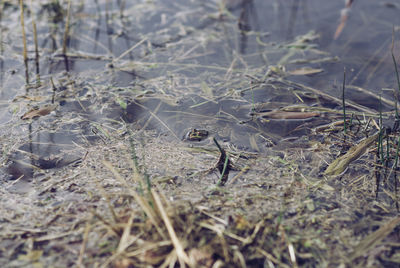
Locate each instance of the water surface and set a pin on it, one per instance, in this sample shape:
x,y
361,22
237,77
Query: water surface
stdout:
x,y
178,65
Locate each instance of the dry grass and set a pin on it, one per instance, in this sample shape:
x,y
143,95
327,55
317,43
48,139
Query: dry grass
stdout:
x,y
141,197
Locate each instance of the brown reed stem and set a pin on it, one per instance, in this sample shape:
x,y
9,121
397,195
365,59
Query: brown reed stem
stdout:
x,y
36,47
25,52
66,33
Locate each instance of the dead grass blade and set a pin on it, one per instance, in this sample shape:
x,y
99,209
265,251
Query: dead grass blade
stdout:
x,y
340,164
182,256
34,113
144,203
331,98
107,198
306,71
129,50
219,229
343,19
374,238
154,115
288,115
84,243
126,238
125,241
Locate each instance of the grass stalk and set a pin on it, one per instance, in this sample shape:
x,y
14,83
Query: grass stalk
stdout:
x,y
35,39
180,251
381,134
397,76
66,32
36,46
387,149
86,232
1,28
253,104
395,167
135,163
395,175
373,239
143,177
146,203
396,160
25,51
54,89
122,8
343,101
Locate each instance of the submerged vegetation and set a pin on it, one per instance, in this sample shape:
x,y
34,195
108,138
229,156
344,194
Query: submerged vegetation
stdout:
x,y
181,134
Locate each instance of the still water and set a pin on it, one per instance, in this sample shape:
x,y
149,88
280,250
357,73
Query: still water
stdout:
x,y
177,65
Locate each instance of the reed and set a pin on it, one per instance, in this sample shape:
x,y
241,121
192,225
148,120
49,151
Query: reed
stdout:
x,y
381,134
1,27
395,167
387,150
397,77
66,32
36,46
343,101
25,51
35,39
396,159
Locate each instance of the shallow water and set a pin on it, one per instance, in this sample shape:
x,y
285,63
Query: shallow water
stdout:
x,y
177,65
